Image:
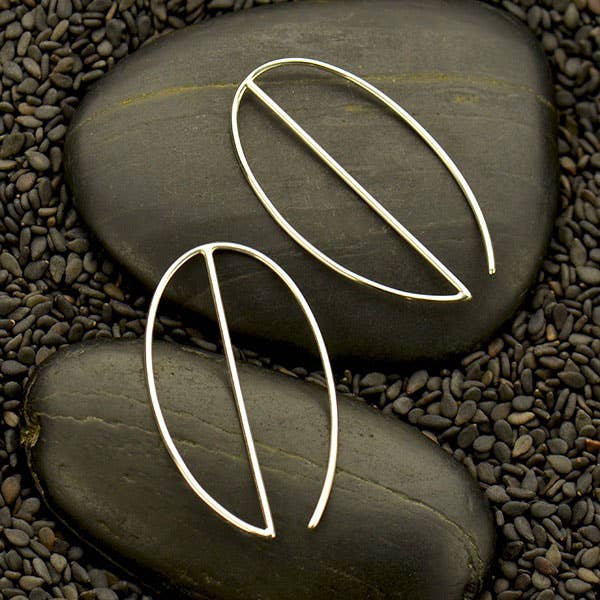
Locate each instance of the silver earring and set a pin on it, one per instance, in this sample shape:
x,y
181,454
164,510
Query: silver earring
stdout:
x,y
462,293
207,251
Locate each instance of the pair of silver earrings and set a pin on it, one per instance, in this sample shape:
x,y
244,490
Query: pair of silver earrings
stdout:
x,y
208,250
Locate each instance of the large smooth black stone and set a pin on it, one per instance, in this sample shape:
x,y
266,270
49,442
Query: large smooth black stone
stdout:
x,y
404,519
153,170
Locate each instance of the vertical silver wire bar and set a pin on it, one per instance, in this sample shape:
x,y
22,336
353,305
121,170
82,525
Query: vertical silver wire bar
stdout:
x,y
237,390
358,188
207,250
324,356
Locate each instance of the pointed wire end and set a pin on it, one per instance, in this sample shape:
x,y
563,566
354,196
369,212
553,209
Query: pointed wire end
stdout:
x,y
314,521
491,259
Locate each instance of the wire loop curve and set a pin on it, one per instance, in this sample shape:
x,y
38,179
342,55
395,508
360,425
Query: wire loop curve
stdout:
x,y
207,251
249,84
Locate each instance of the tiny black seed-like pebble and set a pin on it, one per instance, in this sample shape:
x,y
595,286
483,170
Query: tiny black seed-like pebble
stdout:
x,y
434,422
16,537
416,381
514,508
561,464
522,445
12,368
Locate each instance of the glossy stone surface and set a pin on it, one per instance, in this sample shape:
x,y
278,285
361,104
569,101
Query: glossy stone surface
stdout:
x,y
153,170
404,519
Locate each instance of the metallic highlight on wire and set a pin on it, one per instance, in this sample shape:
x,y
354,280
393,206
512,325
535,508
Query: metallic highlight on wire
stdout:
x,y
207,251
462,292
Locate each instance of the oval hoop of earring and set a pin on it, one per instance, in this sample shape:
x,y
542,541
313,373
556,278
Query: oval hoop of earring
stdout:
x,y
249,84
207,251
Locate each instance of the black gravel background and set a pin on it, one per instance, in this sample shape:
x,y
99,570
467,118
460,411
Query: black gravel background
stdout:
x,y
522,414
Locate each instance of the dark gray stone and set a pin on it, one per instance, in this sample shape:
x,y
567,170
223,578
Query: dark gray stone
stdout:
x,y
404,518
154,173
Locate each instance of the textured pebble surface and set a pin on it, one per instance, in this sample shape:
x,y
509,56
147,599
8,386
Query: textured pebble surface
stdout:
x,y
521,413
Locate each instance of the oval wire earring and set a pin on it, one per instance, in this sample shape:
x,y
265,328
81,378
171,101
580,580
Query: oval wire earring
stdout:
x,y
462,292
207,251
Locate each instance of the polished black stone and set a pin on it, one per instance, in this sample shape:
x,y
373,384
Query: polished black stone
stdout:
x,y
154,173
404,519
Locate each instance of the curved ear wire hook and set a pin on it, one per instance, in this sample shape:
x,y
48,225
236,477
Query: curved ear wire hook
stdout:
x,y
250,84
208,250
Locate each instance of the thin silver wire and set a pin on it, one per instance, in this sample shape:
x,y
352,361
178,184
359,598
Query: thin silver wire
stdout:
x,y
249,83
207,251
